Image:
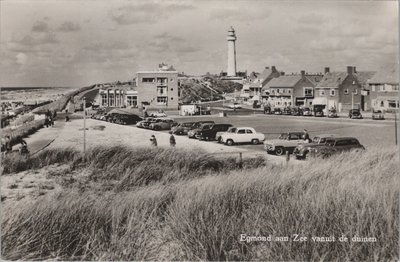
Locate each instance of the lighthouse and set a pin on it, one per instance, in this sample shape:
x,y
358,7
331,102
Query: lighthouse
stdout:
x,y
231,52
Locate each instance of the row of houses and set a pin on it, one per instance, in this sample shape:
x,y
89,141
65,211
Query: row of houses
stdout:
x,y
365,90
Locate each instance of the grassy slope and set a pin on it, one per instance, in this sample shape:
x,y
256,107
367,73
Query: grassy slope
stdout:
x,y
167,204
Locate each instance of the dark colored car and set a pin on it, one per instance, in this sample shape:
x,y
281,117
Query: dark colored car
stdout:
x,y
182,128
355,114
195,133
332,113
267,110
287,111
319,113
335,145
301,151
210,134
123,119
378,115
110,117
297,111
277,111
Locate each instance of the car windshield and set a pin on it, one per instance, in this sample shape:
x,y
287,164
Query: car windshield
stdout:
x,y
231,130
283,136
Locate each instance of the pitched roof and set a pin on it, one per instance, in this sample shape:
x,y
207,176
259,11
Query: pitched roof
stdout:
x,y
284,81
364,76
315,79
386,77
332,79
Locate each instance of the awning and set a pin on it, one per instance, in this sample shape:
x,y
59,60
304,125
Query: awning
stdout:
x,y
381,98
320,101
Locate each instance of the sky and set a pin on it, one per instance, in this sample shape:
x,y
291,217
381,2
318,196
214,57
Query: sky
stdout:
x,y
78,43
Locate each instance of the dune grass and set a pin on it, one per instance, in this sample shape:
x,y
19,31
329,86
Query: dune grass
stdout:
x,y
198,211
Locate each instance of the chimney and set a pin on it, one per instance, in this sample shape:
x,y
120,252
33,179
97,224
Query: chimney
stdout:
x,y
282,73
273,68
303,73
351,70
326,70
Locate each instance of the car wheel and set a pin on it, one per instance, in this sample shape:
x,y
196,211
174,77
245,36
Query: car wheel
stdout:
x,y
279,151
255,141
157,128
229,142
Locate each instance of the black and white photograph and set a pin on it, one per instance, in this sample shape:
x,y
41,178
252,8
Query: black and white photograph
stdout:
x,y
199,130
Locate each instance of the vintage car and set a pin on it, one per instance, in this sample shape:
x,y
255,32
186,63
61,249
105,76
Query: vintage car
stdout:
x,y
302,150
163,124
218,135
378,115
287,111
242,135
234,106
146,122
181,128
355,114
267,110
332,113
277,111
157,114
210,134
194,133
297,111
319,113
286,142
307,111
335,145
126,119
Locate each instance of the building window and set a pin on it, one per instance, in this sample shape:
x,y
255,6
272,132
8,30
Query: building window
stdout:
x,y
162,100
383,88
382,104
395,87
355,91
172,89
289,91
392,104
148,79
131,101
373,88
103,99
346,91
111,99
172,98
308,92
332,92
162,80
321,92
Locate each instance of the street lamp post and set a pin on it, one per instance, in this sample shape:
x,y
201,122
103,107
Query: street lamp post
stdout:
x,y
352,100
84,129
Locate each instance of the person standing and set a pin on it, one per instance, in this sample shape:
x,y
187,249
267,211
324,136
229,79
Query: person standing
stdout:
x,y
172,141
153,140
306,136
8,144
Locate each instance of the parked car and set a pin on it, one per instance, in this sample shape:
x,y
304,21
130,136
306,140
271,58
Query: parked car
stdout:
x,y
146,122
125,119
234,106
303,149
287,111
158,114
195,133
267,110
182,128
198,124
242,135
378,115
162,124
297,111
286,142
277,111
110,117
307,111
218,135
210,134
355,114
319,113
332,113
336,145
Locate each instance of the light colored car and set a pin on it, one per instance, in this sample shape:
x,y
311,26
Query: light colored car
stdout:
x,y
378,115
234,106
162,124
302,149
286,142
219,134
158,114
242,135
